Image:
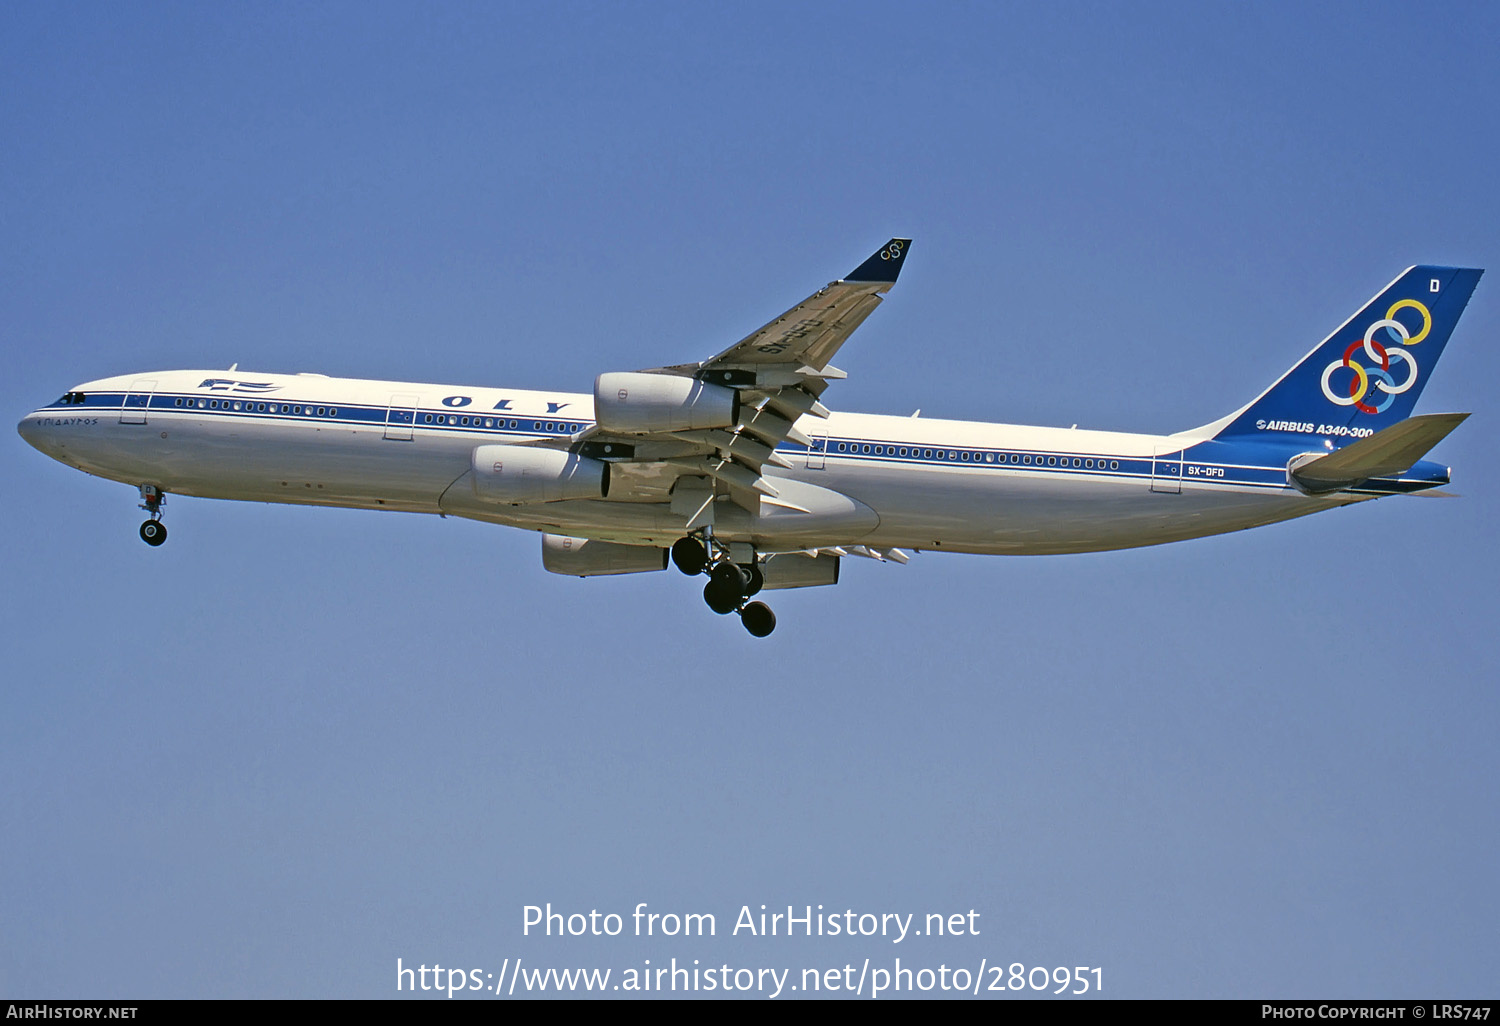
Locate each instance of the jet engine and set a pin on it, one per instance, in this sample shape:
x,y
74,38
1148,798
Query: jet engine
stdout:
x,y
520,474
584,557
792,570
644,404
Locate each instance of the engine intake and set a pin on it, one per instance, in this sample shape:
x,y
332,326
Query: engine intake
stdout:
x,y
645,404
521,474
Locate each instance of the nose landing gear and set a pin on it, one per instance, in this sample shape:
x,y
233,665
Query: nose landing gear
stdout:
x,y
729,583
153,531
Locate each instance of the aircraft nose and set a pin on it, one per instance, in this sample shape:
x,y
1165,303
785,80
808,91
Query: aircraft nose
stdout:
x,y
37,435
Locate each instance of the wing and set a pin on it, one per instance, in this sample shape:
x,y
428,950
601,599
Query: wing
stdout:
x,y
810,333
777,373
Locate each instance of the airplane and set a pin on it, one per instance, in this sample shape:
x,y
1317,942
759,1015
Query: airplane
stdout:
x,y
734,469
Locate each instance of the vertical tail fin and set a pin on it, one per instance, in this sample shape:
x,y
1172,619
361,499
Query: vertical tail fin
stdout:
x,y
1366,375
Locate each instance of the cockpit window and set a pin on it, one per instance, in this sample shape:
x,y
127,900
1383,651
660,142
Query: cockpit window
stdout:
x,y
72,399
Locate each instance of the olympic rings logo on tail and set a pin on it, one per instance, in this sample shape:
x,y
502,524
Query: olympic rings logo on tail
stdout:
x,y
1381,377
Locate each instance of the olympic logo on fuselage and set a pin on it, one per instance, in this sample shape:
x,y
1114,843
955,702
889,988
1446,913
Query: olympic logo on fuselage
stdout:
x,y
1380,377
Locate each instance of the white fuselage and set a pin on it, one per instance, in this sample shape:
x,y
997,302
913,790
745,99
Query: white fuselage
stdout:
x,y
907,482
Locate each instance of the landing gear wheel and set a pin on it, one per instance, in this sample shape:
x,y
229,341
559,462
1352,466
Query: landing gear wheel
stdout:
x,y
728,577
153,532
689,555
758,619
754,579
721,599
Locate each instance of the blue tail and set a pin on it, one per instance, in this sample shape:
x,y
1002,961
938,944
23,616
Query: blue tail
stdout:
x,y
1367,374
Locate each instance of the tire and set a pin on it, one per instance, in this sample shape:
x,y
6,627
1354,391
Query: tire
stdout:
x,y
153,532
721,599
689,556
758,619
729,578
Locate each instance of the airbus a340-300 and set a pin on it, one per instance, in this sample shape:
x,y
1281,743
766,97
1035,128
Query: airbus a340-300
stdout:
x,y
734,468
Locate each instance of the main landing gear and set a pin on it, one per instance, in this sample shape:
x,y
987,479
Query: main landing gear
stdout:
x,y
153,531
729,583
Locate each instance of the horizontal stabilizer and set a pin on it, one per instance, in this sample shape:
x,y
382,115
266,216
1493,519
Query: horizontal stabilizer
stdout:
x,y
1383,454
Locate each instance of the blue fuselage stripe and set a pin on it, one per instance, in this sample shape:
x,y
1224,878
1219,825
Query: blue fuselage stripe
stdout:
x,y
1168,466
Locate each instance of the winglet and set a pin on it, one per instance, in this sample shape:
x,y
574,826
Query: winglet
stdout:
x,y
884,265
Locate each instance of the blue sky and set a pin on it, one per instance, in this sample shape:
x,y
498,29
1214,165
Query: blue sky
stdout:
x,y
295,744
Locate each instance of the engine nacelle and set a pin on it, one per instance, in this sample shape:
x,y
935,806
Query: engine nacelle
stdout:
x,y
644,404
790,570
584,557
520,474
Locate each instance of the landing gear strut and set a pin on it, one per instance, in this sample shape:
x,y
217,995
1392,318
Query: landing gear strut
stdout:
x,y
729,584
153,531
